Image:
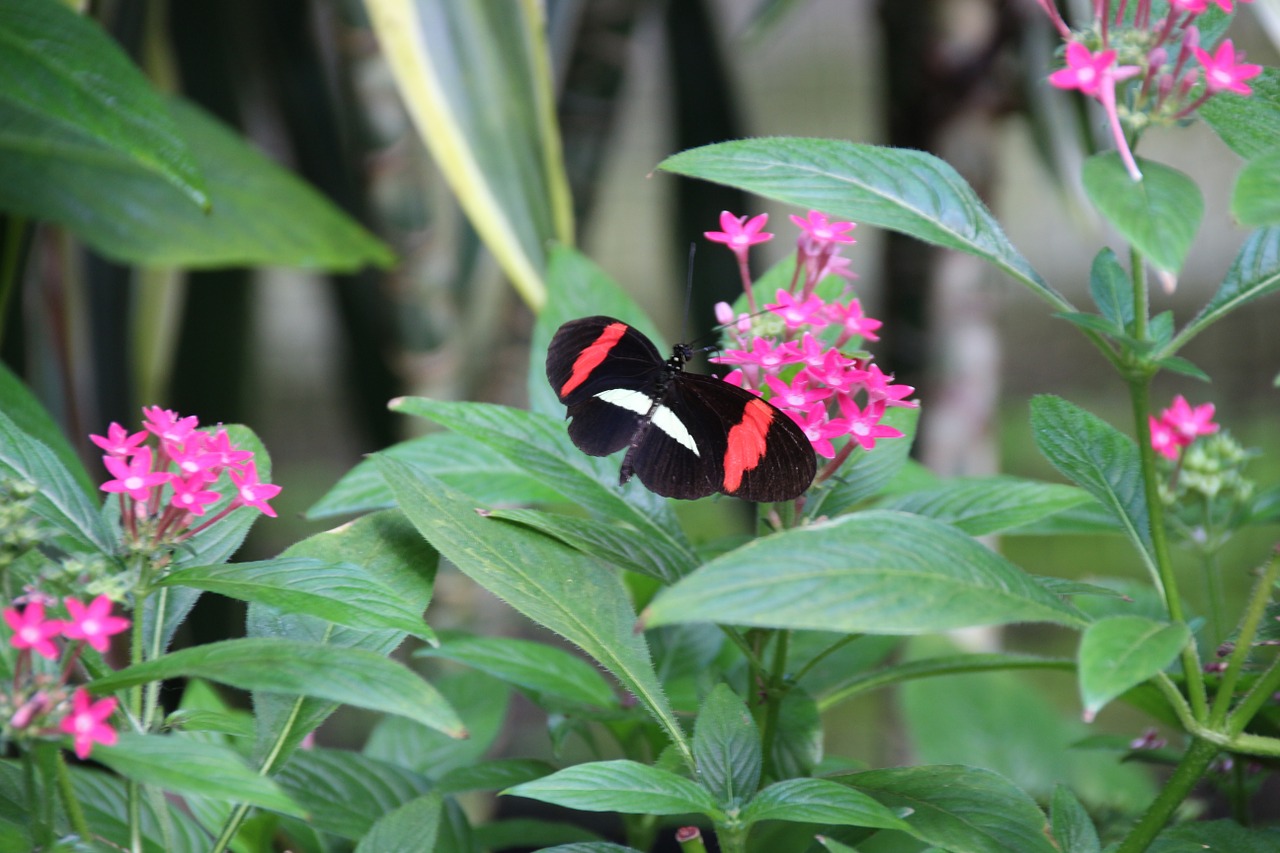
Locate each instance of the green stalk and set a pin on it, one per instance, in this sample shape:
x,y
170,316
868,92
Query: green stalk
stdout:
x,y
776,692
1189,770
1213,588
1253,615
75,814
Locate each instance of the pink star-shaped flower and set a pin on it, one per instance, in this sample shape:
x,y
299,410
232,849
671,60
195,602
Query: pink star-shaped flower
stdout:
x,y
189,494
820,230
251,492
87,722
1164,438
808,312
1225,71
229,456
740,233
118,441
32,631
838,372
1087,71
763,353
1189,422
819,428
853,320
134,476
94,623
797,395
194,460
879,389
864,425
167,425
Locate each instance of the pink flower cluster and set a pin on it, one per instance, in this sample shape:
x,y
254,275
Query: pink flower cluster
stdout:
x,y
42,710
163,491
1179,425
1162,57
803,368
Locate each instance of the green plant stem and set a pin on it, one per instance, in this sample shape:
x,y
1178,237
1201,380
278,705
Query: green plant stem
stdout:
x,y
1260,694
1138,388
694,844
1213,589
829,650
1253,615
776,692
10,264
1189,770
75,814
732,839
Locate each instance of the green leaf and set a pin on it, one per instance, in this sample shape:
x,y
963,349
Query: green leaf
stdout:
x,y
1177,364
1073,829
797,744
105,800
477,82
339,592
493,775
1099,458
726,746
821,801
542,447
1159,215
1255,199
896,188
74,99
576,287
1112,289
30,417
877,572
1250,126
541,835
1213,835
1255,273
259,213
346,793
1120,652
533,666
620,544
387,546
186,766
555,586
462,462
1092,322
412,826
59,498
979,506
867,472
959,809
620,786
834,846
355,677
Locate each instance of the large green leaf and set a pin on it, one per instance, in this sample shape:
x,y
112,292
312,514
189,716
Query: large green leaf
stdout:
x,y
337,591
30,417
259,213
726,745
1159,214
619,786
476,80
878,572
1099,458
412,826
562,589
895,188
355,677
1255,273
1223,834
982,505
1112,290
186,766
1073,829
72,98
1120,652
346,793
821,801
104,797
1255,199
1250,126
959,809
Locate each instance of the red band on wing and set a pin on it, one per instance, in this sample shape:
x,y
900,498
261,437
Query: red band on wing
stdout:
x,y
747,441
589,359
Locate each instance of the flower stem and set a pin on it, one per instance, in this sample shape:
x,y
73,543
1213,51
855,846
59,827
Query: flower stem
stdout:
x,y
776,691
1253,615
75,814
1189,770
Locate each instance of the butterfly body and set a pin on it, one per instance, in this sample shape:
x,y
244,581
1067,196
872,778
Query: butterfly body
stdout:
x,y
686,435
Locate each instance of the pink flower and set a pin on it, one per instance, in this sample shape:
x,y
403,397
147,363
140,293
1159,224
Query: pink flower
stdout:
x,y
1164,438
118,441
798,395
1224,71
94,623
823,232
864,425
251,492
879,389
740,233
1189,422
167,425
135,476
87,722
189,494
194,460
763,353
32,631
1086,71
229,456
795,314
819,429
838,372
853,320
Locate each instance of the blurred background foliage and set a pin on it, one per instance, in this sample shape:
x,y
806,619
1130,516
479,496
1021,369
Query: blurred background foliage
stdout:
x,y
538,134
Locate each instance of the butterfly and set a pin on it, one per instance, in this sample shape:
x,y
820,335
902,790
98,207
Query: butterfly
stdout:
x,y
687,435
